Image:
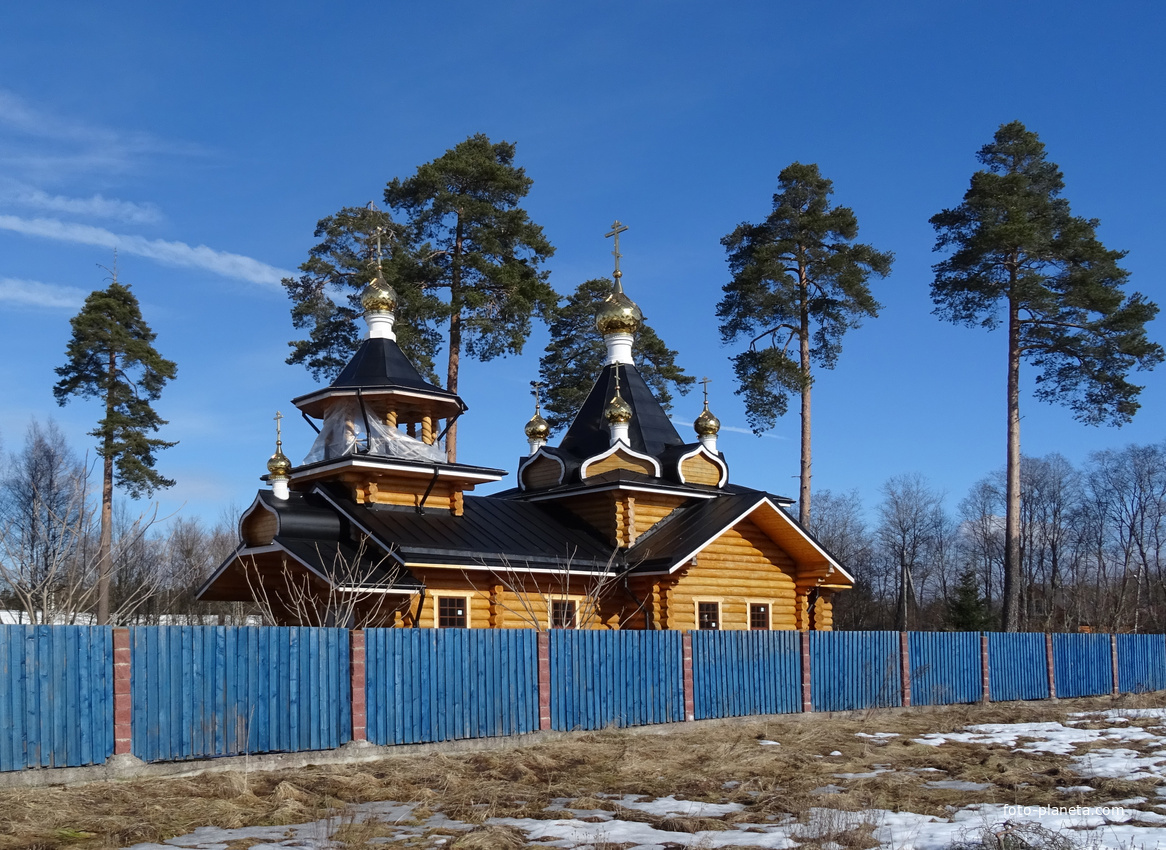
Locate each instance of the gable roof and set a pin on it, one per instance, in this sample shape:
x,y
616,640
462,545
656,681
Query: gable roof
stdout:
x,y
682,534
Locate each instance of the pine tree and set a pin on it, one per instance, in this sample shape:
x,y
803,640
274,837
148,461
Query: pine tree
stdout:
x,y
1019,257
575,355
799,279
967,611
343,262
111,357
473,243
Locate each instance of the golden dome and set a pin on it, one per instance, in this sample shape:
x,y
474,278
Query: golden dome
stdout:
x,y
617,411
279,466
378,296
618,314
706,425
537,428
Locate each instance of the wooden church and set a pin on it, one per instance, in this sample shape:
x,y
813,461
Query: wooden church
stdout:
x,y
623,524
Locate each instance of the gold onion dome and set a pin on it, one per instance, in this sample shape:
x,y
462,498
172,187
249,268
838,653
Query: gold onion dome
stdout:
x,y
537,428
706,425
618,314
378,296
617,411
279,465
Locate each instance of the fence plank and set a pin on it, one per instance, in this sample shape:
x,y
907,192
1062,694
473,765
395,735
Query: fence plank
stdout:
x,y
1141,663
1017,666
615,678
1082,665
56,696
945,667
444,684
853,670
737,673
205,691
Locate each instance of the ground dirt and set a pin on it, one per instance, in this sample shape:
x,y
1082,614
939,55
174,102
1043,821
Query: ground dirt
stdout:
x,y
820,762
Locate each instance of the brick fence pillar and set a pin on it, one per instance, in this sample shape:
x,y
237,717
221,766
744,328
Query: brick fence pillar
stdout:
x,y
1113,661
1052,670
985,681
356,660
689,689
122,704
544,681
807,693
905,667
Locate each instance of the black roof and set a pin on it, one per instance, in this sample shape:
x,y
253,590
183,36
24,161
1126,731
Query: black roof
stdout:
x,y
381,363
491,532
650,431
687,527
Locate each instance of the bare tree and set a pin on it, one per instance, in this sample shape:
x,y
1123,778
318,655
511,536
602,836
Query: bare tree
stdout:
x,y
911,520
351,591
568,598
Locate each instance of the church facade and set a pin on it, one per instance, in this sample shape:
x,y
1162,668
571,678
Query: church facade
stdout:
x,y
621,525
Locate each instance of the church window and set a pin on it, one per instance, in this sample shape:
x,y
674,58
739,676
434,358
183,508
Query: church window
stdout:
x,y
563,614
708,615
451,612
759,616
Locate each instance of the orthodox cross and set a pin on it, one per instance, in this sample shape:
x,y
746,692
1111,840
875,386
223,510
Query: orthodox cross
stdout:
x,y
536,388
616,371
706,381
616,230
377,231
278,436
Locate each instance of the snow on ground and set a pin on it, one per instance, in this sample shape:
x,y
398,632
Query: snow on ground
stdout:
x,y
1115,825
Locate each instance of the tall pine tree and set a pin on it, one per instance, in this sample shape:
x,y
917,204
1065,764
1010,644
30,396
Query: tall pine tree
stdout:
x,y
799,283
575,355
111,357
1019,257
472,243
463,252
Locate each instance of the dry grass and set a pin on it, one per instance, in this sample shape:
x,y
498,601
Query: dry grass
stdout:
x,y
714,764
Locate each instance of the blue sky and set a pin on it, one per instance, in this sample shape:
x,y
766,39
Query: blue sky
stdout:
x,y
205,141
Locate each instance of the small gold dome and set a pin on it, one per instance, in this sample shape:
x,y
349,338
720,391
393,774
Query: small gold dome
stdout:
x,y
537,428
279,466
378,296
618,314
617,411
706,425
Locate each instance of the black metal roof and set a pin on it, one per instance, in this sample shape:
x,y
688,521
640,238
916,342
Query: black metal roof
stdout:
x,y
649,432
687,528
491,532
381,363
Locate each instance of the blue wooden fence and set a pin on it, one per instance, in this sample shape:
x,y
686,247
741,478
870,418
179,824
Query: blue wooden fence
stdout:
x,y
1141,663
1082,665
427,685
197,692
855,670
741,673
202,691
56,696
1018,666
945,667
619,678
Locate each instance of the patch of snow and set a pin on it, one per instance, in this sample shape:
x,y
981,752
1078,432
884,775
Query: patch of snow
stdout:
x,y
1073,789
770,744
956,785
836,753
871,774
669,805
876,734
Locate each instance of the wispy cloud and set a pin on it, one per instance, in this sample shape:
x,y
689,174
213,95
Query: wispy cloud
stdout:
x,y
33,293
169,253
97,206
51,146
